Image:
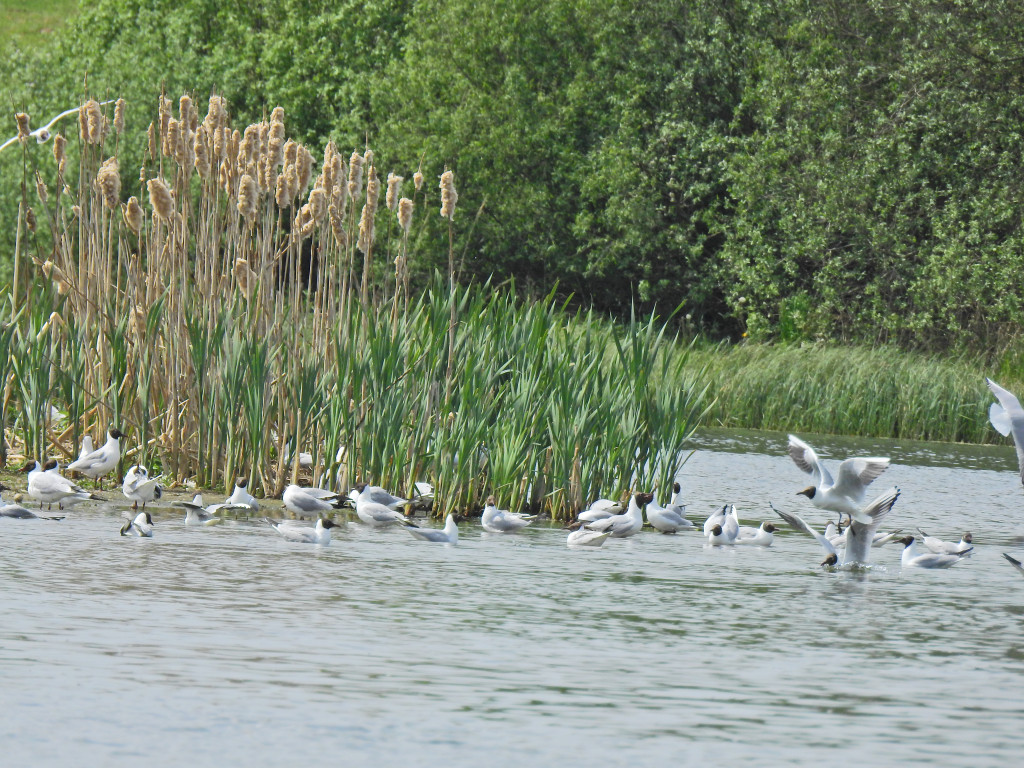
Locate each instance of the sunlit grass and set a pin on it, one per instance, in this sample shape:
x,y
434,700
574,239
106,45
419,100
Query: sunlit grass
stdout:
x,y
28,23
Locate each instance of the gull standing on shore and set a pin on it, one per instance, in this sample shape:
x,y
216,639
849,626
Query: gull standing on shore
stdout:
x,y
101,461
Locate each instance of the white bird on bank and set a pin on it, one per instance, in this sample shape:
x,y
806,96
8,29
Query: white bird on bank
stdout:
x,y
43,133
912,558
1007,417
240,496
845,494
940,547
502,521
757,537
100,461
310,501
138,486
50,487
671,518
86,447
628,523
860,535
15,511
303,534
447,535
374,512
142,525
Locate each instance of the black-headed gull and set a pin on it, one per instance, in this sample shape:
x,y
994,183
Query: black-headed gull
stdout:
x,y
1007,417
629,522
447,535
599,510
138,486
142,525
757,537
584,537
15,511
940,547
377,495
102,460
50,487
303,534
845,494
240,496
502,521
668,519
310,501
912,558
374,512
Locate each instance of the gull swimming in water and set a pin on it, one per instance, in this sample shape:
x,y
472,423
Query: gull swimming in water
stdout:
x,y
142,525
374,512
912,558
100,461
1007,417
240,496
628,523
502,521
197,514
138,486
584,537
758,537
940,547
845,494
310,501
303,534
671,518
599,510
860,535
447,535
377,495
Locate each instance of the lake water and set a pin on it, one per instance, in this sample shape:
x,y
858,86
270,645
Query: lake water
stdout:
x,y
229,646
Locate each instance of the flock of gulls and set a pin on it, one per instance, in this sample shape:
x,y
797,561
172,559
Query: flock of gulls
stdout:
x,y
846,542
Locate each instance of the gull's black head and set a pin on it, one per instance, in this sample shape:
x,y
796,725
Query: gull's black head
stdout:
x,y
968,538
149,518
241,482
769,527
906,541
808,492
643,498
832,559
29,466
717,530
675,488
116,433
329,523
50,464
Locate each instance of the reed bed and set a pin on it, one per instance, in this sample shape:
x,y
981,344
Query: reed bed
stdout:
x,y
848,390
231,310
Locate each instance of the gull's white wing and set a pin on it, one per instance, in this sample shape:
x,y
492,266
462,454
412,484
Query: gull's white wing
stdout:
x,y
860,535
1012,413
855,474
805,458
797,522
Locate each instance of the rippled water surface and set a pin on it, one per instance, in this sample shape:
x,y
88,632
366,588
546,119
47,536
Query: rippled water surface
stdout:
x,y
229,646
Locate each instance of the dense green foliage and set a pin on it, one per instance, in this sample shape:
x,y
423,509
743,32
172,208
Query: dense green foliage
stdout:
x,y
785,169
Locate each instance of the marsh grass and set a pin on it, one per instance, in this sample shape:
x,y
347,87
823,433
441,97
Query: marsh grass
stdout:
x,y
189,320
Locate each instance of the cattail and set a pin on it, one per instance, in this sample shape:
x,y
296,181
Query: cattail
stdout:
x,y
355,176
368,158
137,321
337,225
119,116
96,130
30,219
160,198
216,115
60,151
83,124
304,222
248,197
41,189
449,197
282,194
405,214
304,168
202,154
367,220
249,148
185,110
220,143
133,215
108,182
153,141
165,115
318,204
76,209
394,187
245,277
327,171
276,142
54,273
23,127
417,180
171,136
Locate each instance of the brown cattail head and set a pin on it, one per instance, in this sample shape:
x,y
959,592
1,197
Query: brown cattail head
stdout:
x,y
153,141
248,197
41,189
394,187
160,198
30,219
133,215
108,183
417,180
449,197
275,145
355,176
95,121
119,116
405,214
60,154
54,273
23,128
202,153
245,277
337,225
83,124
216,115
304,168
367,220
318,204
165,115
185,110
171,137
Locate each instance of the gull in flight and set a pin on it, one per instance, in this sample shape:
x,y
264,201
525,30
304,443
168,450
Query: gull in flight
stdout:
x,y
142,525
101,461
43,134
1007,417
501,520
845,494
911,558
860,536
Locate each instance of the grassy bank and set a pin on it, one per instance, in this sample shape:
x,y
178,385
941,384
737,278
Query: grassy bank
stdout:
x,y
873,392
29,23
